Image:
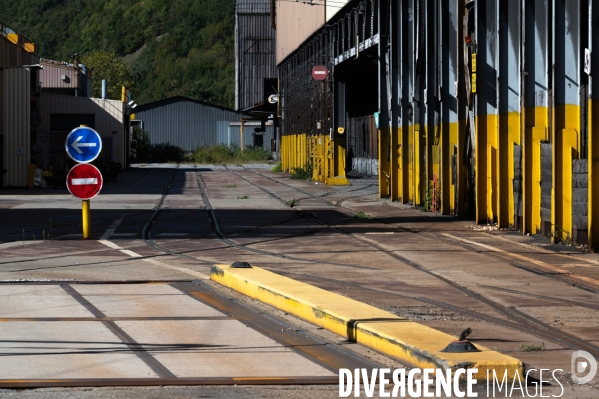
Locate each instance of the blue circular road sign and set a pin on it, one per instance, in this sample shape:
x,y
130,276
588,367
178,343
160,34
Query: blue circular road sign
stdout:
x,y
83,144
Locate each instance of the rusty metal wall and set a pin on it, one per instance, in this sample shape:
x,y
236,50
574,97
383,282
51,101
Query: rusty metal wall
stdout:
x,y
110,118
16,127
255,52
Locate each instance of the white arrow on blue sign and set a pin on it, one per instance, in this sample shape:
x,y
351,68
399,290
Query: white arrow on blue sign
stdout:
x,y
83,144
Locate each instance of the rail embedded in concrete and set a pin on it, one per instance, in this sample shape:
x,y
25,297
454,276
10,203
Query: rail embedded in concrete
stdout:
x,y
382,331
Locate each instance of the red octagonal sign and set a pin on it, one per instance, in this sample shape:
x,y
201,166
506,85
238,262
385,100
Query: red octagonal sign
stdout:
x,y
84,181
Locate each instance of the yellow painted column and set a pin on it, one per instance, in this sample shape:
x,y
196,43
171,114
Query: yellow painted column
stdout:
x,y
486,168
509,134
531,182
417,166
565,149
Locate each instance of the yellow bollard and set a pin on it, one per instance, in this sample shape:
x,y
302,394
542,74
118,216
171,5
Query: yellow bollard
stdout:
x,y
85,206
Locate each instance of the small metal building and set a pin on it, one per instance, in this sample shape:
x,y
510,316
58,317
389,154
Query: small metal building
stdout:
x,y
183,122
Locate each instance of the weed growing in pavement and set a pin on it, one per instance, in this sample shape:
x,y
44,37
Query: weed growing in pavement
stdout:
x,y
223,154
244,197
277,168
362,215
302,173
232,186
532,348
427,200
291,203
562,236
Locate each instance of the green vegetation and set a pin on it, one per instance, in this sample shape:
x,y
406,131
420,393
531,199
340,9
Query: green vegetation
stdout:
x,y
302,173
362,215
427,200
277,168
232,186
244,197
110,67
291,203
172,47
532,348
158,153
222,154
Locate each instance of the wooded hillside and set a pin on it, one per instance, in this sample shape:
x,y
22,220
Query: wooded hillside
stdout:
x,y
172,47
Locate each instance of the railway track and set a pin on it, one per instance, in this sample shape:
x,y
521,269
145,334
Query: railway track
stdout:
x,y
517,319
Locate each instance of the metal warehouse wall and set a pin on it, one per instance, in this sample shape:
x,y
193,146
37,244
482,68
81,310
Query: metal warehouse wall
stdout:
x,y
109,122
183,122
15,50
255,52
16,126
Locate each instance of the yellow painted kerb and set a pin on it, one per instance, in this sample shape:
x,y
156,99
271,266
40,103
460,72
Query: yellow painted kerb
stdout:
x,y
384,332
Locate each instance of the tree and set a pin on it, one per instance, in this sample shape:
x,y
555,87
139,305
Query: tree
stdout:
x,y
110,67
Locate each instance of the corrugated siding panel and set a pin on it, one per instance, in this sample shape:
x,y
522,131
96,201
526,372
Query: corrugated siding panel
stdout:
x,y
248,131
16,126
222,132
51,77
109,118
256,52
186,124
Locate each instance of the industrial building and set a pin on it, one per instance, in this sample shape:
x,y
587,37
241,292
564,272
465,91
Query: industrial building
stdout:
x,y
489,103
41,102
190,124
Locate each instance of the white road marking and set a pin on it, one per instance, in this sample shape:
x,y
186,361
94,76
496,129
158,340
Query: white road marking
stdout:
x,y
525,258
130,253
154,261
181,269
83,181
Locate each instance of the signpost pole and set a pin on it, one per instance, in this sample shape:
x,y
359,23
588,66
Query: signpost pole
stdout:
x,y
84,180
85,214
85,207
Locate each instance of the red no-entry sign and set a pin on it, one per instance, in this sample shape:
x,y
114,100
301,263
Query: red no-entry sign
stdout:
x,y
84,181
320,72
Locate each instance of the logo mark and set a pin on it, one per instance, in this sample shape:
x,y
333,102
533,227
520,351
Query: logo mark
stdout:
x,y
589,364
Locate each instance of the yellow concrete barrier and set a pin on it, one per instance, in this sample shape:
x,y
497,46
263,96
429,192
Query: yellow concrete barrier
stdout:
x,y
384,332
